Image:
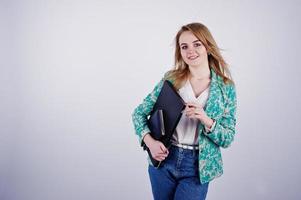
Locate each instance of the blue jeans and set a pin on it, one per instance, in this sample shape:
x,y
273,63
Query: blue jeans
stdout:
x,y
178,177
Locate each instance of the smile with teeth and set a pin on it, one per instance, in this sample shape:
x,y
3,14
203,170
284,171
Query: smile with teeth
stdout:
x,y
192,57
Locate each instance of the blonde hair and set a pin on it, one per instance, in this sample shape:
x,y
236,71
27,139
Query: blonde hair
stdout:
x,y
180,71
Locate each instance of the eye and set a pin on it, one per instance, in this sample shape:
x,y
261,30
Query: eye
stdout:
x,y
197,44
184,47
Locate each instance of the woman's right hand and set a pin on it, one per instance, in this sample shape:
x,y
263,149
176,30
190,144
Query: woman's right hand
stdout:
x,y
158,150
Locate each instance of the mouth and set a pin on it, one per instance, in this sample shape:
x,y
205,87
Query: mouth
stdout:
x,y
192,57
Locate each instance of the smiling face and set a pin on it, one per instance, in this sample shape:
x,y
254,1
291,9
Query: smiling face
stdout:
x,y
192,50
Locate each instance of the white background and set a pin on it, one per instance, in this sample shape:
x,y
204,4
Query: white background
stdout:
x,y
72,73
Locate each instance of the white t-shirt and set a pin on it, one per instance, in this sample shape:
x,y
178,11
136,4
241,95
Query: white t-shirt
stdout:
x,y
186,130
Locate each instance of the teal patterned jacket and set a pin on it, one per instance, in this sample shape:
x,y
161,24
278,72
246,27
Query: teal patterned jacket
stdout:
x,y
220,106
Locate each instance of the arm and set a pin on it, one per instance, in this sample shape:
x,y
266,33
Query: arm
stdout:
x,y
223,131
139,116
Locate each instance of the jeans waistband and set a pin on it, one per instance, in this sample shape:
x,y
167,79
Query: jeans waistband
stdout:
x,y
186,146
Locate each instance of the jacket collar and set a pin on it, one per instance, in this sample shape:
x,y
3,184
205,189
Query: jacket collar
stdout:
x,y
216,89
212,108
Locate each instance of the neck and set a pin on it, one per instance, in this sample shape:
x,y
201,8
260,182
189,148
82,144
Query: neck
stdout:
x,y
200,72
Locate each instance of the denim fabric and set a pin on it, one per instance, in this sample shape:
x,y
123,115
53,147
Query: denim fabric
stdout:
x,y
178,177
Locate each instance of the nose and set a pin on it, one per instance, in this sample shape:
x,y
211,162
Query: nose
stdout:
x,y
190,50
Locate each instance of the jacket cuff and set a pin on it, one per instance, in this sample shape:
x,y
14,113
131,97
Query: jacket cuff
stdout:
x,y
142,135
209,130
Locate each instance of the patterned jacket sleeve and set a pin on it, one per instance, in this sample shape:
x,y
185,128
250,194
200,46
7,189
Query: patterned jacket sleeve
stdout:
x,y
139,116
224,129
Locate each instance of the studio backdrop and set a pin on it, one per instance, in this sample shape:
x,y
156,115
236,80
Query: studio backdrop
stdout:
x,y
72,73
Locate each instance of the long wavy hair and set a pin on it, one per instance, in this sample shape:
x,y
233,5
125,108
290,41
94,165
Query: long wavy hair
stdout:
x,y
180,71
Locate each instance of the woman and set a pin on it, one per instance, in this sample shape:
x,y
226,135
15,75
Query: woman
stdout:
x,y
202,79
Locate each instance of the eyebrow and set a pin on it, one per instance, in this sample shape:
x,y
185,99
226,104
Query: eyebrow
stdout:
x,y
192,42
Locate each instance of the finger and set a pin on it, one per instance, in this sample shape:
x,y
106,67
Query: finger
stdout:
x,y
192,104
187,108
189,114
159,158
200,113
195,105
163,148
162,154
190,109
192,115
197,111
162,158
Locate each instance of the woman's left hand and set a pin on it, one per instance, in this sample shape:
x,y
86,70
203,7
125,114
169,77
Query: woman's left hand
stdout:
x,y
195,110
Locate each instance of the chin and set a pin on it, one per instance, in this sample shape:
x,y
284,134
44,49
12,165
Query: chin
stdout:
x,y
194,64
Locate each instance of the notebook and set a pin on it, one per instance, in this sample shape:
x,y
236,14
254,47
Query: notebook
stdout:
x,y
165,116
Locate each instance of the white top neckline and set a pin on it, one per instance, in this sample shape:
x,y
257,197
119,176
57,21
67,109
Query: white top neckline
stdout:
x,y
186,130
190,86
